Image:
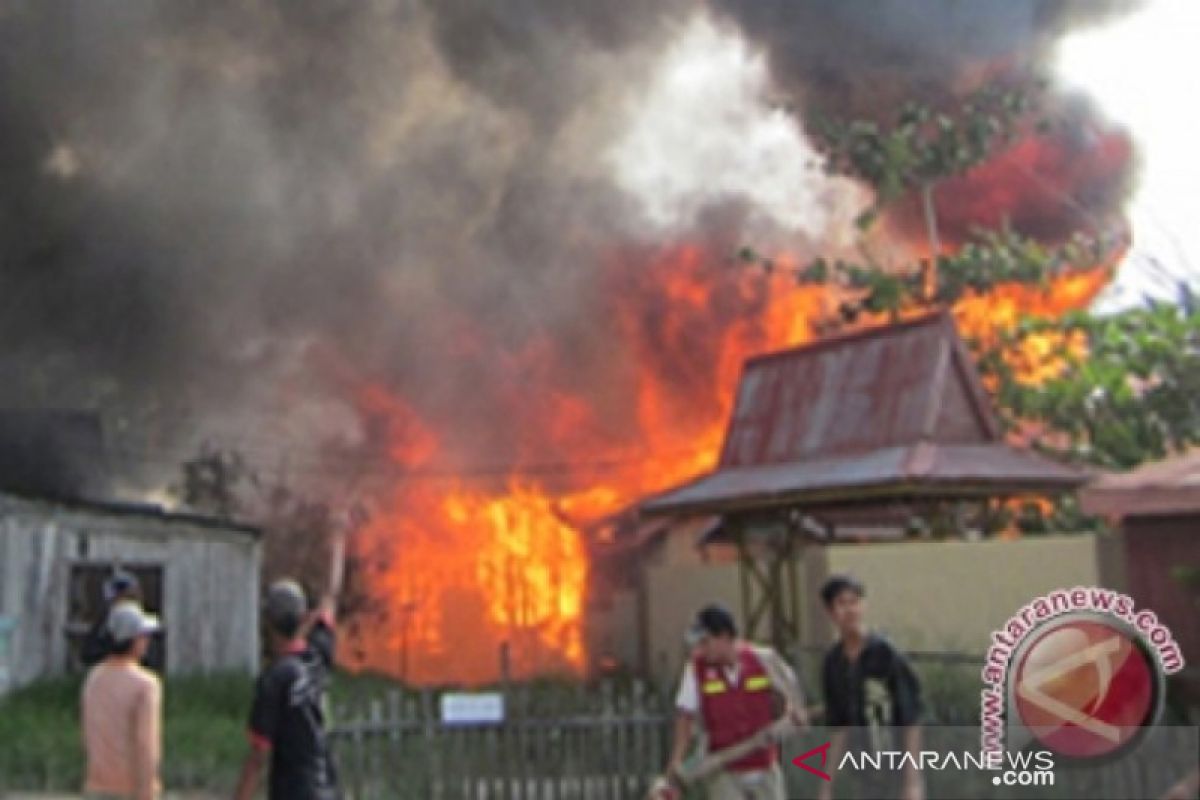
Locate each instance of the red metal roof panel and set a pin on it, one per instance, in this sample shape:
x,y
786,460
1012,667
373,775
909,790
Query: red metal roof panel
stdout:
x,y
1171,486
923,469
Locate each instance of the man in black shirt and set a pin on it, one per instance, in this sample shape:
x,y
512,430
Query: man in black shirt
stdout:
x,y
288,719
870,690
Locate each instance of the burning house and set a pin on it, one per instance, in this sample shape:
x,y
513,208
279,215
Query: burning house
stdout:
x,y
876,435
476,260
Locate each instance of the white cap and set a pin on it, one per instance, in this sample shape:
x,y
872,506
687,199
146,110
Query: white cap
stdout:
x,y
127,621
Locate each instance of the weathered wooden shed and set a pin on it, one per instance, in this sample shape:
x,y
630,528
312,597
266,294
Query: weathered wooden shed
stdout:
x,y
201,575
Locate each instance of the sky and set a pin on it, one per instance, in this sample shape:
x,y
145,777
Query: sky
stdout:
x,y
709,103
1142,71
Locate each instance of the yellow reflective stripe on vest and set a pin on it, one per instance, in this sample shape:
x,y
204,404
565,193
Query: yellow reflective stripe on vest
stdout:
x,y
758,683
714,687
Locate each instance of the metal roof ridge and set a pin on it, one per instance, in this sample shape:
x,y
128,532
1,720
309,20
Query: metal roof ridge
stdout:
x,y
837,340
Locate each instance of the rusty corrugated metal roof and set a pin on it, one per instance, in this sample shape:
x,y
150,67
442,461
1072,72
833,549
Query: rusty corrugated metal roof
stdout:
x,y
890,411
874,389
1171,486
979,470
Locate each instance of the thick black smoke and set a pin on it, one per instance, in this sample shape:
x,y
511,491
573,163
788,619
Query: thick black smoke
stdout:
x,y
198,195
865,59
194,192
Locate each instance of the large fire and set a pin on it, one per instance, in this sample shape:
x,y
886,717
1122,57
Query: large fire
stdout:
x,y
472,580
1036,357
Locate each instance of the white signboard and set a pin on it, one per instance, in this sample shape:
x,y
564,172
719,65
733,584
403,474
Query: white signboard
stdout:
x,y
472,708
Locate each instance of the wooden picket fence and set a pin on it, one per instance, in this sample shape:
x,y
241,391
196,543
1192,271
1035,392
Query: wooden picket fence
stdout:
x,y
606,743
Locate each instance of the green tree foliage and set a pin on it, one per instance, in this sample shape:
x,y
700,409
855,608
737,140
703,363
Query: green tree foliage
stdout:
x,y
991,258
1130,395
1135,395
922,146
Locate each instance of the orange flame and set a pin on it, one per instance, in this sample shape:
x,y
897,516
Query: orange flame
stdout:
x,y
468,582
1035,358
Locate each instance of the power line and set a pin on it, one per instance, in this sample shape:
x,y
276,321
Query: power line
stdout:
x,y
379,464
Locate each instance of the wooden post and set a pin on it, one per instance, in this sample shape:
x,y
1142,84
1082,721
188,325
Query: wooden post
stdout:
x,y
796,545
739,535
777,551
429,720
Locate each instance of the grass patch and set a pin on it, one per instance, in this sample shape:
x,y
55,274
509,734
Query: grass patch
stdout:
x,y
204,719
204,730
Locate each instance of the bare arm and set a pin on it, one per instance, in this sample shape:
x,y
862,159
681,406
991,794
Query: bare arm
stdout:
x,y
252,767
337,564
148,742
327,606
783,678
685,727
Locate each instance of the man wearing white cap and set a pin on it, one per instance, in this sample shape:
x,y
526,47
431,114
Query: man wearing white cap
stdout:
x,y
122,712
121,587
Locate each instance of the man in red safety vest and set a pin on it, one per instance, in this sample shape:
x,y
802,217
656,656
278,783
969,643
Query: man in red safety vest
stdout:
x,y
734,689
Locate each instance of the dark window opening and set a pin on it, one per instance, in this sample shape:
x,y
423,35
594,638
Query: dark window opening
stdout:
x,y
86,605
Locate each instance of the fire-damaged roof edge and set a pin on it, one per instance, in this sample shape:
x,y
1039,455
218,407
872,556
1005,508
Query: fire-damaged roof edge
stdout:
x,y
124,509
923,469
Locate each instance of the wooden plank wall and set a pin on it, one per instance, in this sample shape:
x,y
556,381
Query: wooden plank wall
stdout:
x,y
210,594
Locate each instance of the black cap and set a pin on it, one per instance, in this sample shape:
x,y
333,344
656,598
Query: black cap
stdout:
x,y
120,584
712,620
285,606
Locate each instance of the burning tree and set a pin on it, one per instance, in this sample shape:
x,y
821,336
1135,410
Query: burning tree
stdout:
x,y
1112,390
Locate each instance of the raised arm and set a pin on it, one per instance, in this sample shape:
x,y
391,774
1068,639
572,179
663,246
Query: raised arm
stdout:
x,y
327,606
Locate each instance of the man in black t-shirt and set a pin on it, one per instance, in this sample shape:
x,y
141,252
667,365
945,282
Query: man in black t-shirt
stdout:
x,y
872,696
287,720
288,717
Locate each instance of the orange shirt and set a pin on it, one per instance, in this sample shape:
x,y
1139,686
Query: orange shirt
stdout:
x,y
122,711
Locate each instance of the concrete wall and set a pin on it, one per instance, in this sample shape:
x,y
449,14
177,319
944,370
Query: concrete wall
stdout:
x,y
678,582
951,595
210,583
925,595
